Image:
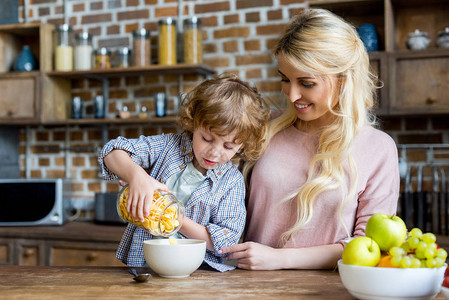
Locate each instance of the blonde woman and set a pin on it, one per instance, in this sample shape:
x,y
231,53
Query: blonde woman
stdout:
x,y
325,168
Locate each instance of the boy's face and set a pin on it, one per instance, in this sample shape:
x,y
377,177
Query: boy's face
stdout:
x,y
212,150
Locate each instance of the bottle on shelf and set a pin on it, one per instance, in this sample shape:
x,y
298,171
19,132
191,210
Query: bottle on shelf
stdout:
x,y
64,48
141,47
83,51
121,58
102,58
193,41
167,41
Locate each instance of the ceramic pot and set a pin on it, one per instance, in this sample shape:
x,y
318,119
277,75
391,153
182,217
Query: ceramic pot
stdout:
x,y
25,61
417,40
368,35
443,38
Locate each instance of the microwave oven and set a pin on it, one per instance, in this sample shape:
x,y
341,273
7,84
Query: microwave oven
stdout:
x,y
28,202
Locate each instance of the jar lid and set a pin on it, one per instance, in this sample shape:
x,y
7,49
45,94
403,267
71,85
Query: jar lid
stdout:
x,y
102,51
83,36
168,21
64,28
141,32
417,33
192,20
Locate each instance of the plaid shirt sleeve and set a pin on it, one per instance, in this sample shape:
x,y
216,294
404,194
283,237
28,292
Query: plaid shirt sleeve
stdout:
x,y
228,222
143,151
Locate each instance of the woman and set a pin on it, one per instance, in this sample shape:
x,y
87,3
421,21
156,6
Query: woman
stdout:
x,y
325,169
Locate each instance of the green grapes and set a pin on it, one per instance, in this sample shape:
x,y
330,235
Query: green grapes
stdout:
x,y
415,232
429,238
419,250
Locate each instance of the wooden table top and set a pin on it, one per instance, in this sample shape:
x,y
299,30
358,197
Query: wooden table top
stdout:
x,y
116,283
19,282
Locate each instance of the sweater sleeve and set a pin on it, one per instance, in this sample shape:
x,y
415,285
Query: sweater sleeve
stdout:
x,y
381,192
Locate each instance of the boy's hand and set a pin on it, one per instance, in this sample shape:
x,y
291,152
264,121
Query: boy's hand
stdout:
x,y
140,198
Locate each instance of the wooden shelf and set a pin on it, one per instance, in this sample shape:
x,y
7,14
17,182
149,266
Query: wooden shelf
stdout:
x,y
154,70
89,122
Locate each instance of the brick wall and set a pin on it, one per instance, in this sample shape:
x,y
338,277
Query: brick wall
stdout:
x,y
238,38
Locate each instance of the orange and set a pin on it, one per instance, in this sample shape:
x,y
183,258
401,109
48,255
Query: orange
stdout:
x,y
385,262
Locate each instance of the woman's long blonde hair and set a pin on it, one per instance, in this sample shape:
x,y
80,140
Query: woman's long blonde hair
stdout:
x,y
321,43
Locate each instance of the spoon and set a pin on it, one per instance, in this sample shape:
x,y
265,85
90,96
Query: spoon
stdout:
x,y
139,277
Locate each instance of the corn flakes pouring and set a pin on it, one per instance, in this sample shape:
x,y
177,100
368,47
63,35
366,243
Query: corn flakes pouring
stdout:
x,y
164,216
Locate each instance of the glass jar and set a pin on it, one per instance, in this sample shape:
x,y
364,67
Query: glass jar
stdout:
x,y
102,58
121,58
83,51
64,48
141,48
167,41
193,41
166,213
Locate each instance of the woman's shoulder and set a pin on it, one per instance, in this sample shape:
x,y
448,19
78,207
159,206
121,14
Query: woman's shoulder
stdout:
x,y
374,140
371,133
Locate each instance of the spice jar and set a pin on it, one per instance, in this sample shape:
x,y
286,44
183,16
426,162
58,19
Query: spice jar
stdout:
x,y
102,58
167,41
121,58
141,47
193,41
83,51
166,214
64,48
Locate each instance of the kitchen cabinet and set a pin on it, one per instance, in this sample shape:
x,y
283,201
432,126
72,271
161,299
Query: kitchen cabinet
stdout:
x,y
73,244
43,96
30,96
63,253
415,81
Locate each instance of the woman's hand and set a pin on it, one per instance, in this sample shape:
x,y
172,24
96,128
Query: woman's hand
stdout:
x,y
254,256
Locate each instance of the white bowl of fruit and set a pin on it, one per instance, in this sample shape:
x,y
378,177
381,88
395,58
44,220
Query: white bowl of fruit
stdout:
x,y
391,263
445,287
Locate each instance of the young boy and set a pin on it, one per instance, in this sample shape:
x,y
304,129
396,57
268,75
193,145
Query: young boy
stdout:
x,y
222,119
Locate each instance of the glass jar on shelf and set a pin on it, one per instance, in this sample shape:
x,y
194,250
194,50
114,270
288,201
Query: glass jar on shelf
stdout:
x,y
193,41
64,48
167,41
83,51
121,58
102,58
141,48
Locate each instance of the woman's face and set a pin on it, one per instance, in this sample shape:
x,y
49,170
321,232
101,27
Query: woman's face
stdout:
x,y
308,93
212,150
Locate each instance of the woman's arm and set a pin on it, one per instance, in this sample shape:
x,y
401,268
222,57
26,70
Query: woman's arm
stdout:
x,y
255,256
141,185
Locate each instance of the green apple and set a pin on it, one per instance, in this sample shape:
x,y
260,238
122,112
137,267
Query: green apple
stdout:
x,y
361,251
388,231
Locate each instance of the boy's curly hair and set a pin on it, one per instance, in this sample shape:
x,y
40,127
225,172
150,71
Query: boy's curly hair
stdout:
x,y
224,104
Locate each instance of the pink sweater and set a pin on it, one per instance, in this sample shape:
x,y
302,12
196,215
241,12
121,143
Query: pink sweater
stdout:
x,y
284,167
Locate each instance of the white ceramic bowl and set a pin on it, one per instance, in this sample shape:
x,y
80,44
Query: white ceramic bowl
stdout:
x,y
391,283
445,292
174,261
